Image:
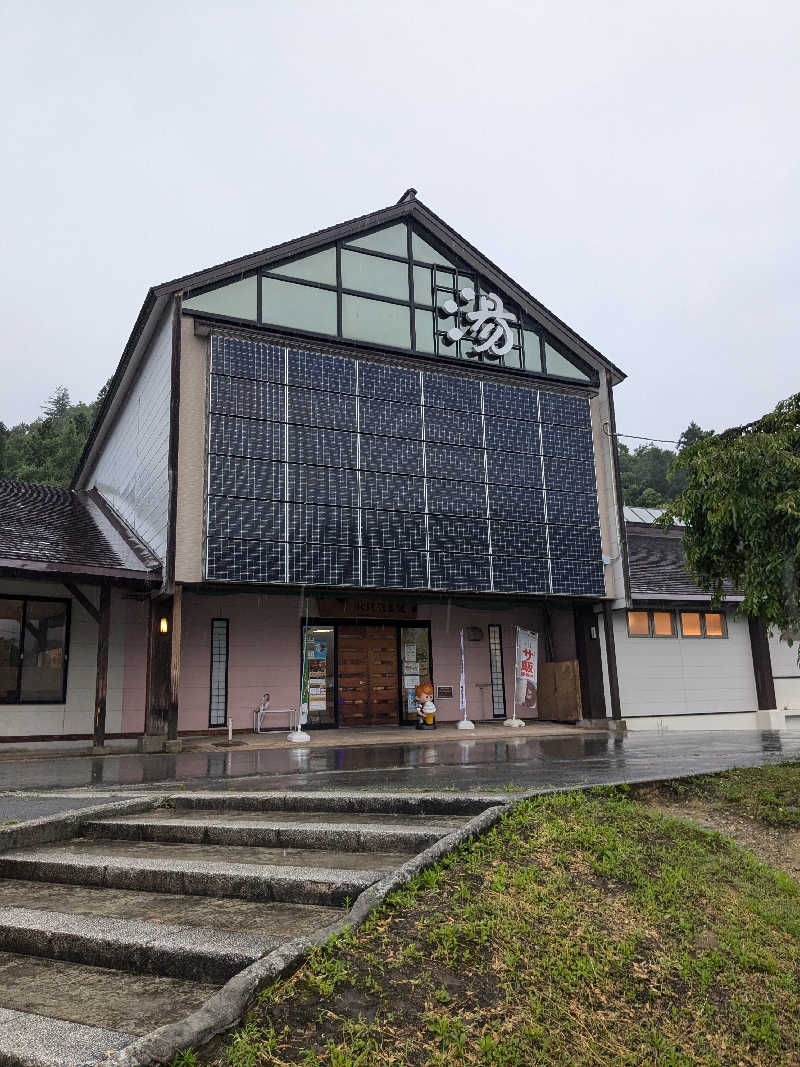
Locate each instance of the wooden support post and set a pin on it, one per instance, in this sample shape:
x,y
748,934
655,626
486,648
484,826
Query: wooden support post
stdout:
x,y
156,715
611,660
762,665
587,646
101,686
175,664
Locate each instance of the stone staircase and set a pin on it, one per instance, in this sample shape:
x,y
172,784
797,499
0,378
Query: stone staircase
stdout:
x,y
143,916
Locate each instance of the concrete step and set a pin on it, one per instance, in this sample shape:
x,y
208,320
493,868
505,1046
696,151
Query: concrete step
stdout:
x,y
39,1041
197,952
95,996
279,921
203,870
341,832
469,804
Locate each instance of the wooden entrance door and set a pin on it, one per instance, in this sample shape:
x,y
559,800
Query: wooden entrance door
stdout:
x,y
367,675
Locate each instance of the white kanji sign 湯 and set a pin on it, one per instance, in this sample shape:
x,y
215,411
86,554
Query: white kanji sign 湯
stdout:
x,y
487,325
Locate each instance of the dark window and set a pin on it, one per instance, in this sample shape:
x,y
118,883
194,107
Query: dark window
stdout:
x,y
218,706
496,671
33,650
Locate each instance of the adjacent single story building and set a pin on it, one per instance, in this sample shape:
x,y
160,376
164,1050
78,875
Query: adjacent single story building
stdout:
x,y
683,664
348,450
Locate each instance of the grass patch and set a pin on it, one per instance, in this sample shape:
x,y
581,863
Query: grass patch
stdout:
x,y
769,794
583,929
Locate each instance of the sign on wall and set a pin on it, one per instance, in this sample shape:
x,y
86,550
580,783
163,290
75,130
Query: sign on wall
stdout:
x,y
526,672
485,322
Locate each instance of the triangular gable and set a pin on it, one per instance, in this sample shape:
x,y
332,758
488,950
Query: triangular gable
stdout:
x,y
396,286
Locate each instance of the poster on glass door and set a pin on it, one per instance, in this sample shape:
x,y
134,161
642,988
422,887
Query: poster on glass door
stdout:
x,y
526,671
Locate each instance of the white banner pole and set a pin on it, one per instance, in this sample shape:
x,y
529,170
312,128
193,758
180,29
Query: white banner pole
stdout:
x,y
464,723
298,735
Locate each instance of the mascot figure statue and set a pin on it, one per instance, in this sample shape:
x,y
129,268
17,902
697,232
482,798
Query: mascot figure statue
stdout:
x,y
426,709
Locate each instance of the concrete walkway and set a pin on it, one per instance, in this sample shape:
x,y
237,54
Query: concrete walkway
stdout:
x,y
524,760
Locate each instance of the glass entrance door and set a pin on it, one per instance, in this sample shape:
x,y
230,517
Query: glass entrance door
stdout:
x,y
415,653
320,652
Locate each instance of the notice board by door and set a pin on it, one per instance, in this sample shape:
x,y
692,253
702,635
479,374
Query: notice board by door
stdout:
x,y
367,675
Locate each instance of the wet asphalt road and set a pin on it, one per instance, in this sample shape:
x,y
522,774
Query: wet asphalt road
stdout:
x,y
467,765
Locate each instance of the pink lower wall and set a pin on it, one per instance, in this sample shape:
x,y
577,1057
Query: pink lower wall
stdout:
x,y
264,654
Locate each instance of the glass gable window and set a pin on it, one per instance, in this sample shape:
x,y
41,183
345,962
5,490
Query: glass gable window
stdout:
x,y
303,307
236,300
365,289
375,320
319,267
33,643
374,274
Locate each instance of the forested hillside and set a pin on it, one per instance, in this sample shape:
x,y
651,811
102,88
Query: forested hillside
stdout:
x,y
645,471
47,450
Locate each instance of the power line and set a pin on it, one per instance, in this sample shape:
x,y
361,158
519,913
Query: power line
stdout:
x,y
635,437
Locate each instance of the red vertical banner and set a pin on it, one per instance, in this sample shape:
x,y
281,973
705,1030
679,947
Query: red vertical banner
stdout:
x,y
526,672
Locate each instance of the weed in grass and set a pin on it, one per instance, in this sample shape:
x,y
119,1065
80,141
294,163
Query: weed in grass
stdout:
x,y
186,1058
250,1045
323,972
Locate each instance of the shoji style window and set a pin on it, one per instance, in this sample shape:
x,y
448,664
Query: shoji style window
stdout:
x,y
218,705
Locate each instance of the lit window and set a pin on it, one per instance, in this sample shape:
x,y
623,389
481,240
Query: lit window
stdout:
x,y
662,624
715,624
690,624
639,623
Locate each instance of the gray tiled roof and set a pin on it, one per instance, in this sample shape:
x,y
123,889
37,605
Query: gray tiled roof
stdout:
x,y
657,565
44,528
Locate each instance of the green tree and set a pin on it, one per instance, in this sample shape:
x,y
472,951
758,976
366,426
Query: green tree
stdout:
x,y
47,450
648,474
691,435
741,507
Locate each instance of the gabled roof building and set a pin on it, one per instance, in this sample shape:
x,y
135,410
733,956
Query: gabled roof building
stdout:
x,y
342,451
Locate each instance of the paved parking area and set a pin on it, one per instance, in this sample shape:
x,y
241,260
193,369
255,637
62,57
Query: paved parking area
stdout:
x,y
470,763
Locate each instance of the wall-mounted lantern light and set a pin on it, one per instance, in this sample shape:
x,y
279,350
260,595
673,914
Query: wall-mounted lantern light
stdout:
x,y
164,625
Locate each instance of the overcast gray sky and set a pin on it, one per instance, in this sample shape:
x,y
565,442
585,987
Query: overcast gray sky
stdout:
x,y
633,164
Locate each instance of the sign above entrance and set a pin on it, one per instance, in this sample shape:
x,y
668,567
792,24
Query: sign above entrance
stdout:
x,y
364,608
488,325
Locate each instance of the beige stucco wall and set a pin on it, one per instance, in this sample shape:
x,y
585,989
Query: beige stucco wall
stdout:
x,y
606,492
189,523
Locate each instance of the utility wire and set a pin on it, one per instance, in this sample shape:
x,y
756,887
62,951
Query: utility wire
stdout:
x,y
634,437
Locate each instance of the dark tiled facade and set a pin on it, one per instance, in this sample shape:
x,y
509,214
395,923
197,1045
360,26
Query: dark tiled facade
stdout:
x,y
335,471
